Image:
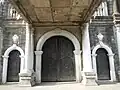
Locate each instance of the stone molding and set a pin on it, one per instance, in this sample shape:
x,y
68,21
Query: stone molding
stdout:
x,y
38,52
77,52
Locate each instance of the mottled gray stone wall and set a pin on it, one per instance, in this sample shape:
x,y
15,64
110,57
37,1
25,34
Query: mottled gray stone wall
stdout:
x,y
39,31
8,34
7,30
105,26
1,46
6,42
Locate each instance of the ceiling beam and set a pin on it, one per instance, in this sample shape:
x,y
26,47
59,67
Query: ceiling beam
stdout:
x,y
56,24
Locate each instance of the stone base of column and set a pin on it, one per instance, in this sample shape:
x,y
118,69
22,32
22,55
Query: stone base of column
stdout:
x,y
89,79
37,82
27,79
119,75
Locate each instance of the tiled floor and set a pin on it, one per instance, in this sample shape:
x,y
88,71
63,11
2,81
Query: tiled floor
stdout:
x,y
61,86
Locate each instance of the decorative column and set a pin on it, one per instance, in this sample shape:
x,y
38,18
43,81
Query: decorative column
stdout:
x,y
4,74
116,17
32,56
77,54
32,48
27,75
94,63
88,74
27,48
22,63
38,55
112,67
117,25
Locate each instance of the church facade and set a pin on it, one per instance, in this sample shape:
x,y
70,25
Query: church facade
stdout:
x,y
87,53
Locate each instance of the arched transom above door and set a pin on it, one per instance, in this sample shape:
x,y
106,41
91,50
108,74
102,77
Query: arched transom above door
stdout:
x,y
38,11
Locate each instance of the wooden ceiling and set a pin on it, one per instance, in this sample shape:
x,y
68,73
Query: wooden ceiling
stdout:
x,y
53,11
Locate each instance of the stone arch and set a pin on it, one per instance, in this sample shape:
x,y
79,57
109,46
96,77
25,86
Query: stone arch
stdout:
x,y
77,51
111,59
58,32
5,60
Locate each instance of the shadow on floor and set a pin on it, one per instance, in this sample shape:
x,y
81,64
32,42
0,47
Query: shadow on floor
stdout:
x,y
105,82
54,83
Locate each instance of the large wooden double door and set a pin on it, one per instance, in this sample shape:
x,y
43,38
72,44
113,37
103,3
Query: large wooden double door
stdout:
x,y
58,62
13,66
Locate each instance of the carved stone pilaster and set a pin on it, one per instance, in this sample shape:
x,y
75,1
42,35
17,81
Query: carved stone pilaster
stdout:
x,y
27,76
38,55
116,18
88,74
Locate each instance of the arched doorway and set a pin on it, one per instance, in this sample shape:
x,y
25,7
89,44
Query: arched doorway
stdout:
x,y
39,52
13,66
103,65
10,52
58,61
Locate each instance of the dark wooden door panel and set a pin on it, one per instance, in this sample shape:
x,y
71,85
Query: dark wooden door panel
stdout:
x,y
13,66
49,60
58,60
67,61
103,68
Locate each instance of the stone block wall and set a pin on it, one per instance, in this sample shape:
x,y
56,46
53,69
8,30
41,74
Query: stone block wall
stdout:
x,y
8,34
1,46
105,26
6,41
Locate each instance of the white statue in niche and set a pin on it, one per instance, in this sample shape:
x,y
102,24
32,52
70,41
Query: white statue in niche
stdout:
x,y
100,37
15,39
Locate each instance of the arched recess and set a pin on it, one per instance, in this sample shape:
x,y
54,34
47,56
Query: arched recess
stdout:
x,y
77,51
110,56
5,60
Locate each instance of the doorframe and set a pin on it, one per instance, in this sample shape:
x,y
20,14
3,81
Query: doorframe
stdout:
x,y
5,61
111,60
77,52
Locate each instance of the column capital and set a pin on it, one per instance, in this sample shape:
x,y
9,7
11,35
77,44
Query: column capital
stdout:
x,y
22,56
29,24
86,24
110,54
29,27
94,55
32,31
5,57
38,53
77,51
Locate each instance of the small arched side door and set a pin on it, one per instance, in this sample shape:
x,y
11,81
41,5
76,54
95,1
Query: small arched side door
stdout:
x,y
13,66
102,64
